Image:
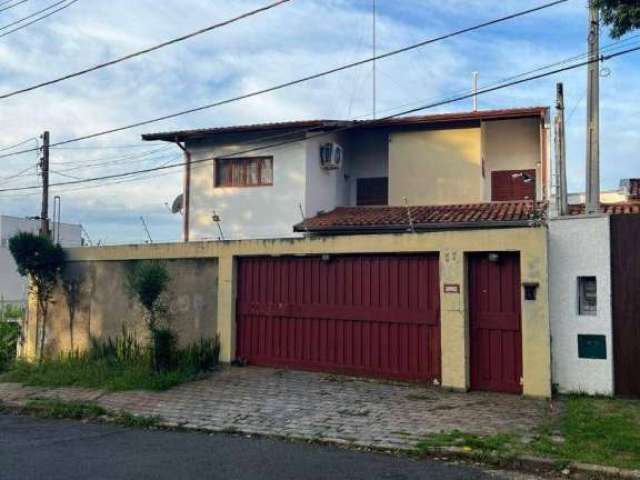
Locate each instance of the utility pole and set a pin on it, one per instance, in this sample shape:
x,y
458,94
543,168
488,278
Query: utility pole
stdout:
x,y
373,64
561,154
593,113
44,168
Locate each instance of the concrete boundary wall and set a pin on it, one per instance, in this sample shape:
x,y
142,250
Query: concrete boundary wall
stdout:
x,y
580,247
451,246
103,305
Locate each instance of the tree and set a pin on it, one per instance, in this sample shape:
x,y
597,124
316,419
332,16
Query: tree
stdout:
x,y
622,15
42,262
148,280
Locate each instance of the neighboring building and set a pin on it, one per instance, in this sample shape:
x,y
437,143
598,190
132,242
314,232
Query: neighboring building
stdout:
x,y
266,177
582,258
12,285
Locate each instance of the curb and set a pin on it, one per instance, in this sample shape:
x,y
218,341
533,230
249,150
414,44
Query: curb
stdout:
x,y
526,463
539,464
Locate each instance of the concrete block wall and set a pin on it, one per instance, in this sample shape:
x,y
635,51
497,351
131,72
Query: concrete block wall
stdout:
x,y
452,247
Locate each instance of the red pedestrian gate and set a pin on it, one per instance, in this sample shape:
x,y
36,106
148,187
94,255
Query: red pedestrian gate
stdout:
x,y
494,319
375,315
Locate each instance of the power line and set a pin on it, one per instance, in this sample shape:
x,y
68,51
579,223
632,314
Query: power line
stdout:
x,y
66,5
358,124
306,78
146,50
34,14
11,6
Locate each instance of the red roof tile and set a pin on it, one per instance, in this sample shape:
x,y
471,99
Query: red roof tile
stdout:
x,y
479,215
619,208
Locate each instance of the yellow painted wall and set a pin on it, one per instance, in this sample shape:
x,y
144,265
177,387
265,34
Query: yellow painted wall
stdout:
x,y
451,246
435,167
511,145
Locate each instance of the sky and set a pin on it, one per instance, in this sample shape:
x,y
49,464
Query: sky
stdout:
x,y
296,39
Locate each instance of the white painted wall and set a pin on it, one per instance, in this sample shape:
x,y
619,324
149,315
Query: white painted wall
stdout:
x,y
326,189
579,247
12,285
249,212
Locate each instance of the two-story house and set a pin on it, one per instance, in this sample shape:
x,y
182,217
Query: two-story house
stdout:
x,y
451,284
259,181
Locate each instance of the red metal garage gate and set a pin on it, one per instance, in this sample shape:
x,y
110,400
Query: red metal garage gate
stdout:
x,y
494,319
375,315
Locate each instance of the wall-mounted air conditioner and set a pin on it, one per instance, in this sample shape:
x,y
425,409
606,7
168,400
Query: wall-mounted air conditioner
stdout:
x,y
330,156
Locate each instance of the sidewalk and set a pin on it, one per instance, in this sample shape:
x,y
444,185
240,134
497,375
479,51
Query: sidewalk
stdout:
x,y
312,406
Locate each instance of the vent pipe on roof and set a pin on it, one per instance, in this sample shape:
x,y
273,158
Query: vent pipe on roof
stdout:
x,y
475,91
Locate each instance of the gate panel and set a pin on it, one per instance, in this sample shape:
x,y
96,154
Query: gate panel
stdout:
x,y
625,283
373,315
494,322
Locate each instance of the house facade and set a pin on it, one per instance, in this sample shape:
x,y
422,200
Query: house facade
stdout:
x,y
258,181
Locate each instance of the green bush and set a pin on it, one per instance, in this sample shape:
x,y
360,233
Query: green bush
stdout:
x,y
164,349
121,363
9,337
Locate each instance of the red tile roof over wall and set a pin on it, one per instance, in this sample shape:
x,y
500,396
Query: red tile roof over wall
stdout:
x,y
620,208
477,215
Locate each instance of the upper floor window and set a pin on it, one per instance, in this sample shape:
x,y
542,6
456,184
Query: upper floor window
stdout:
x,y
243,171
508,185
587,296
372,191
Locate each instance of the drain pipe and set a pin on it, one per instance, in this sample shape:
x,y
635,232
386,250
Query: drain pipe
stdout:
x,y
186,190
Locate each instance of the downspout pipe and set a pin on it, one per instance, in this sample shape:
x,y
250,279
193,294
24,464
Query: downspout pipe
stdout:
x,y
186,191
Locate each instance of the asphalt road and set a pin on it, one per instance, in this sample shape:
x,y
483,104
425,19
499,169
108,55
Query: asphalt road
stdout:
x,y
60,449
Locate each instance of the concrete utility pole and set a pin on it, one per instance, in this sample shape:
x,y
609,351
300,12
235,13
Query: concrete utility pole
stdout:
x,y
593,113
561,154
44,167
373,64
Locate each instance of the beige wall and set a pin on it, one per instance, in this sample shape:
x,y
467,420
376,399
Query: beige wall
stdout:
x,y
511,145
451,246
104,304
435,167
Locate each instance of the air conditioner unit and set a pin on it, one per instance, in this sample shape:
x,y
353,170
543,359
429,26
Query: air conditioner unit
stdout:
x,y
330,156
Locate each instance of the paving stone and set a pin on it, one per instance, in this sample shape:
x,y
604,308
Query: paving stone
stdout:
x,y
310,406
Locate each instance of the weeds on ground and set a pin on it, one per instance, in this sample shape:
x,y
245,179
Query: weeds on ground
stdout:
x,y
117,364
46,408
602,431
596,430
74,410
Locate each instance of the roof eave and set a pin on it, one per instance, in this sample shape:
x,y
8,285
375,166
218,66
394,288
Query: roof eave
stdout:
x,y
421,227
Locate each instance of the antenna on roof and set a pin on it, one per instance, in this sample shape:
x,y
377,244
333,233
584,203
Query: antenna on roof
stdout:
x,y
303,218
216,218
144,224
406,204
475,91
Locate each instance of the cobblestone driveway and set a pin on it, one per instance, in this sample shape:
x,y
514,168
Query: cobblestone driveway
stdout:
x,y
313,406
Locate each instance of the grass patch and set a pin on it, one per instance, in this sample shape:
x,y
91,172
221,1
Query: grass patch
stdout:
x,y
600,431
85,372
501,444
118,364
64,409
595,430
74,410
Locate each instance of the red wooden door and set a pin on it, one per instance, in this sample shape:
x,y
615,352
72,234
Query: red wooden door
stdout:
x,y
494,321
375,315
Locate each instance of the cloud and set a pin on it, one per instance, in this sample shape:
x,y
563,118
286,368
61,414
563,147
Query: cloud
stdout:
x,y
300,38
